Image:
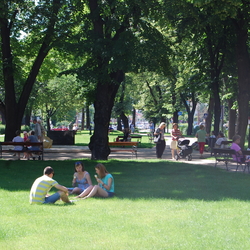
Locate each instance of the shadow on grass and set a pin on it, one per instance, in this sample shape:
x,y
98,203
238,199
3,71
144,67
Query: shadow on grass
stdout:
x,y
139,179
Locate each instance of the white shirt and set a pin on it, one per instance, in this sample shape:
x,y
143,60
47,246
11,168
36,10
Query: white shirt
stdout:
x,y
18,139
218,142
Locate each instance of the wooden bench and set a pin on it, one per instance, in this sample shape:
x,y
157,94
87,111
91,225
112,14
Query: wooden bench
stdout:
x,y
151,137
138,137
247,162
226,156
131,144
224,144
4,148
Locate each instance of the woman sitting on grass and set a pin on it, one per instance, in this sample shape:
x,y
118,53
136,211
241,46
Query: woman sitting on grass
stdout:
x,y
81,179
105,187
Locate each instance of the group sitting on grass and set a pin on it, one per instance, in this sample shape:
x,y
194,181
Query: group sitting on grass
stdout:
x,y
82,185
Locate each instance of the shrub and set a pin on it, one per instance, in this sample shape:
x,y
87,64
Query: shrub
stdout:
x,y
25,128
2,129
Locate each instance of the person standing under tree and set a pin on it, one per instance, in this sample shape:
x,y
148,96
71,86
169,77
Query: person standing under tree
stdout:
x,y
160,147
37,129
175,135
201,135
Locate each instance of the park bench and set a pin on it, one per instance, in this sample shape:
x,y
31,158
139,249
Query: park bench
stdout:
x,y
226,155
138,137
132,147
4,148
151,137
225,144
247,162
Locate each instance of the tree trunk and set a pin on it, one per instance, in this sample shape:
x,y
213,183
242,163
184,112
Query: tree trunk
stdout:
x,y
3,118
119,124
27,119
48,123
210,113
243,64
124,120
104,102
190,112
175,117
87,116
14,110
11,109
232,119
83,119
134,116
217,105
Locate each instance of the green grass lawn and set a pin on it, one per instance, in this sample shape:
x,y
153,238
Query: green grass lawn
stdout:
x,y
82,138
158,205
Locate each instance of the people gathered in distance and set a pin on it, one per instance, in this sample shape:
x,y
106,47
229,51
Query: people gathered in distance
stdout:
x,y
81,179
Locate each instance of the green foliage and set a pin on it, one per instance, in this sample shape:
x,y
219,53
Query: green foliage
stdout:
x,y
25,128
2,129
57,96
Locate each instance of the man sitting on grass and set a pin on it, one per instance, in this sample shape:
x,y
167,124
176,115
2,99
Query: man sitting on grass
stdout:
x,y
41,187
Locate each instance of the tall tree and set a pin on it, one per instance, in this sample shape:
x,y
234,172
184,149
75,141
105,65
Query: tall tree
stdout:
x,y
114,38
37,22
238,13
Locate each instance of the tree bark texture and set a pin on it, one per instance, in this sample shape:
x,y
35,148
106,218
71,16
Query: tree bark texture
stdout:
x,y
210,115
104,102
232,119
190,112
243,65
83,119
13,109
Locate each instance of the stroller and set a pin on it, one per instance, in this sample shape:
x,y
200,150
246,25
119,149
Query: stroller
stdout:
x,y
185,150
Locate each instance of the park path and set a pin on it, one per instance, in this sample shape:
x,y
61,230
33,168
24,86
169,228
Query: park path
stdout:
x,y
64,152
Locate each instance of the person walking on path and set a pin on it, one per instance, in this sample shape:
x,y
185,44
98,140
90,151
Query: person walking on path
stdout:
x,y
201,135
175,135
41,187
160,147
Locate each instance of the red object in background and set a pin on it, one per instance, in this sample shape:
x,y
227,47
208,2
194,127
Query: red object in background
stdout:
x,y
59,129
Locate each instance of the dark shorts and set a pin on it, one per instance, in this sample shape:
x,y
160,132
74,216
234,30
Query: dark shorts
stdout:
x,y
111,194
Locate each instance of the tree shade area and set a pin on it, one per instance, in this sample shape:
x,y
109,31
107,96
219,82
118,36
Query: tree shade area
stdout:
x,y
161,57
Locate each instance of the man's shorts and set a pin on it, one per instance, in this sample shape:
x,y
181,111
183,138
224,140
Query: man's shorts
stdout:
x,y
52,198
173,145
